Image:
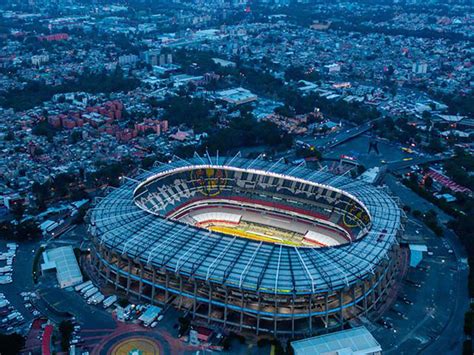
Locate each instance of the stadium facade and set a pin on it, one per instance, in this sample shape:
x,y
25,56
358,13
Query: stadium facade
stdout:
x,y
148,243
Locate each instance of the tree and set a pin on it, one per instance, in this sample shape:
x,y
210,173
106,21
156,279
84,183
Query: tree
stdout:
x,y
428,182
431,220
123,302
11,344
41,192
18,210
61,183
10,135
27,230
66,327
76,136
7,230
192,112
285,111
294,73
435,145
43,129
469,322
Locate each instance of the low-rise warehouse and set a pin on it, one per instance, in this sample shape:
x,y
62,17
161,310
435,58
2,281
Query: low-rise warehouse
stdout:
x,y
64,261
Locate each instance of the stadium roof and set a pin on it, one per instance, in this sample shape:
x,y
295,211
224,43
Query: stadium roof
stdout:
x,y
347,342
237,262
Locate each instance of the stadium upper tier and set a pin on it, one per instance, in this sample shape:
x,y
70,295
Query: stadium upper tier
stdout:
x,y
139,220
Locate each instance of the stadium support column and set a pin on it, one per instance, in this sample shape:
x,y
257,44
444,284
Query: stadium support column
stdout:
x,y
341,317
241,309
167,285
140,285
129,281
275,321
107,268
194,299
379,285
258,313
293,315
117,275
225,306
180,292
365,297
371,293
375,290
153,286
354,306
209,309
99,262
94,261
310,317
326,311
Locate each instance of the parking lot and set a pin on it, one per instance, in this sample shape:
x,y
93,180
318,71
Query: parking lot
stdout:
x,y
14,291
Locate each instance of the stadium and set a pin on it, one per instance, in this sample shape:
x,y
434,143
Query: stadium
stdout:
x,y
252,245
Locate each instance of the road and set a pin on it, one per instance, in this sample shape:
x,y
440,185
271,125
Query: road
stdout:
x,y
332,140
442,299
410,161
344,136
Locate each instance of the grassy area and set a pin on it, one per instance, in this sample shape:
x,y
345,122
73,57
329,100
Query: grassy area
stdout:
x,y
252,235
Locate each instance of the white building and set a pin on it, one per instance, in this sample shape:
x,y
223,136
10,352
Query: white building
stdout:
x,y
127,59
419,68
237,96
39,59
356,341
333,68
64,261
224,63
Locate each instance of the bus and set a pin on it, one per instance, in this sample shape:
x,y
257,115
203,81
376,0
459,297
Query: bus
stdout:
x,y
96,299
90,292
110,301
82,285
87,288
91,297
6,269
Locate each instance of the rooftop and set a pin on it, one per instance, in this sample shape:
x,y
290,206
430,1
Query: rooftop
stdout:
x,y
351,341
64,261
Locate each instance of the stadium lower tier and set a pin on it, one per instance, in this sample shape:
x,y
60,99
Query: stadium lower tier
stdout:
x,y
272,226
279,314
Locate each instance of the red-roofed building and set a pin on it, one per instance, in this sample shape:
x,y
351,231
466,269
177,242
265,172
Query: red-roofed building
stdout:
x,y
154,125
54,37
447,182
204,334
126,135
